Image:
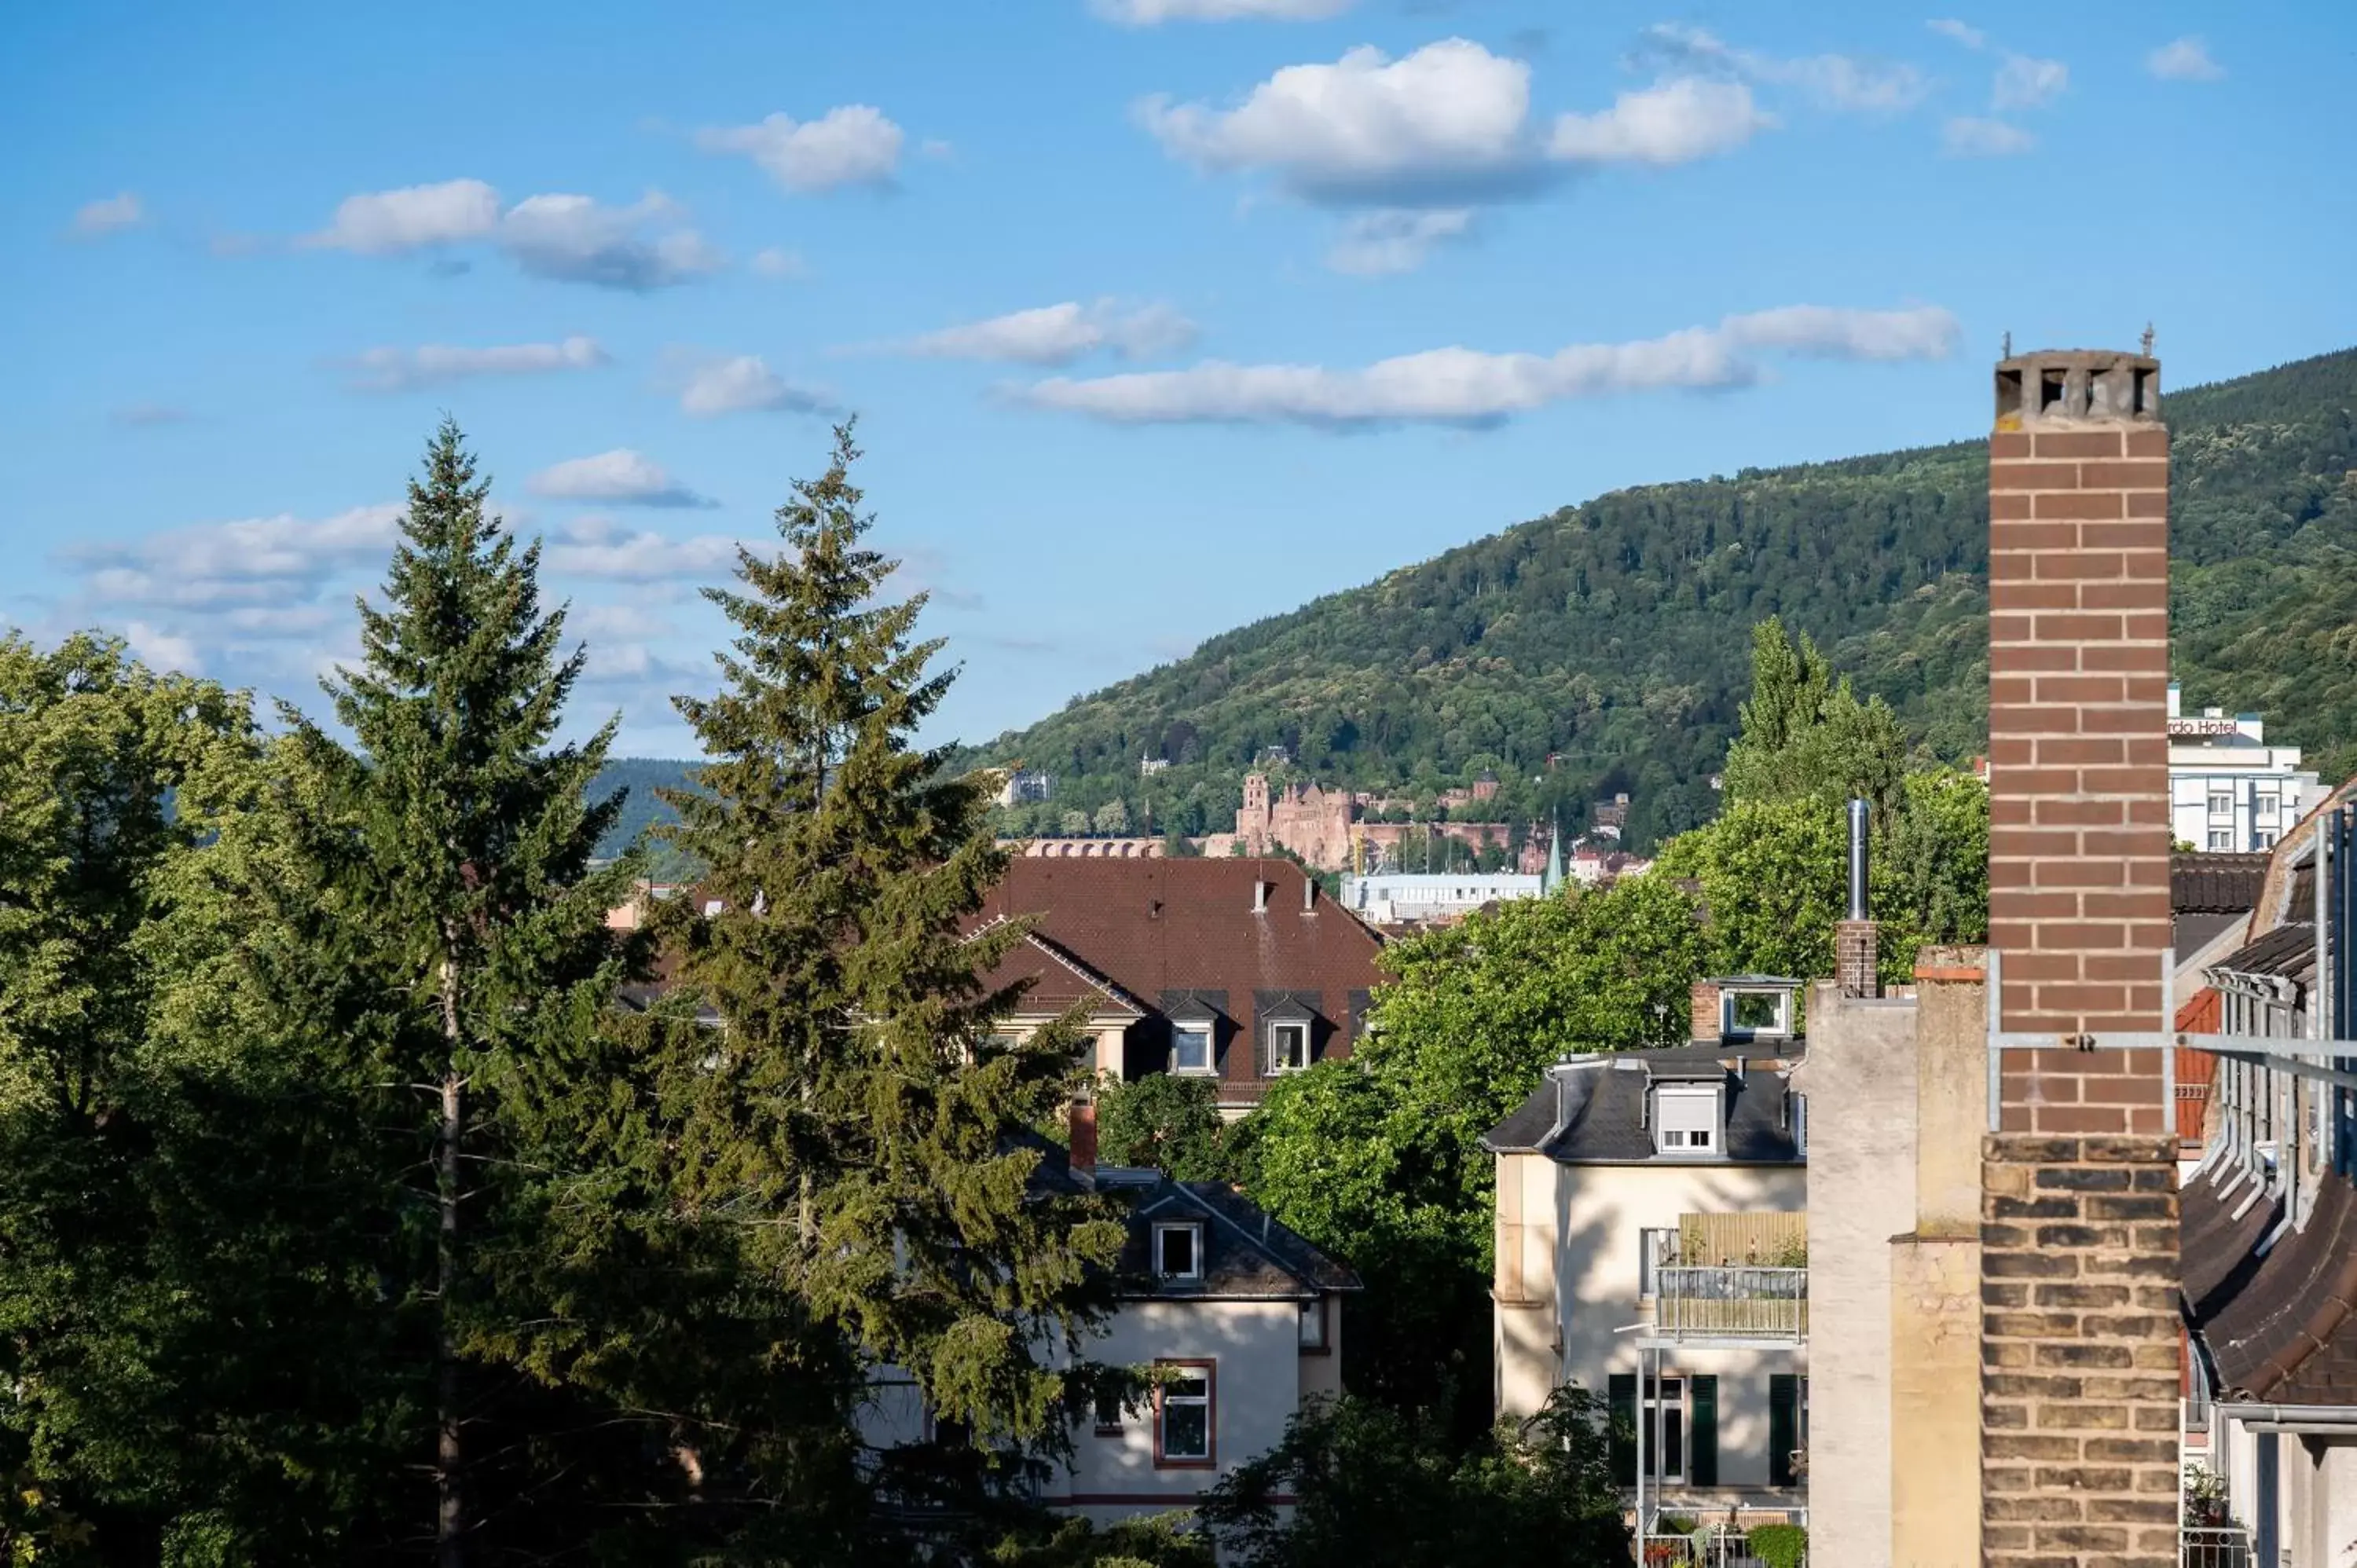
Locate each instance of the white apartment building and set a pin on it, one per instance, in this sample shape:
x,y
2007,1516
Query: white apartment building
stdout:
x,y
2228,789
1398,899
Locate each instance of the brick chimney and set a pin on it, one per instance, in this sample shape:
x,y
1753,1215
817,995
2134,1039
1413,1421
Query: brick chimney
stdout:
x,y
2081,1341
1702,1008
2079,830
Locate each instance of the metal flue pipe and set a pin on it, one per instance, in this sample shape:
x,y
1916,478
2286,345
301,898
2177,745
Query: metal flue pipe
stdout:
x,y
1857,860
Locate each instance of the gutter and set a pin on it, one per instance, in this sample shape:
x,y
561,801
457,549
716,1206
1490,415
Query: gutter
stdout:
x,y
2336,1420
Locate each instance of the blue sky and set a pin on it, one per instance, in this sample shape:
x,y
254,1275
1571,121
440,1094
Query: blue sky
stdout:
x,y
1159,316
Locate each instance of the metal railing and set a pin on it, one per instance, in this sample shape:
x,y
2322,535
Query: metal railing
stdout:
x,y
1715,1548
2214,1546
1741,1302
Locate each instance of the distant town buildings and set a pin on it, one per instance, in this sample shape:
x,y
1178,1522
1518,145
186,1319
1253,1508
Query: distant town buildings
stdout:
x,y
1023,784
2228,789
1399,899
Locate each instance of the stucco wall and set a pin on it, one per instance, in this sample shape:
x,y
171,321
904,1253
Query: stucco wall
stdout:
x,y
1599,1210
1524,1290
1860,1082
1256,1348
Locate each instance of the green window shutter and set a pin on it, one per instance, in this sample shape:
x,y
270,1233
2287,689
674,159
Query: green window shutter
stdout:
x,y
1702,1442
1620,1400
1783,1427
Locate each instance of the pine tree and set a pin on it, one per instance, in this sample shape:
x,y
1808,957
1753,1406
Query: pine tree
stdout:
x,y
859,1112
453,862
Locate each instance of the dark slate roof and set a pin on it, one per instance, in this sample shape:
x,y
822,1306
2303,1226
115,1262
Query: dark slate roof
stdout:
x,y
1247,1255
1592,1111
2208,883
2288,951
2277,1328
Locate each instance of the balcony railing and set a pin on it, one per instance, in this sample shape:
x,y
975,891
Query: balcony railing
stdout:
x,y
2214,1546
1736,1303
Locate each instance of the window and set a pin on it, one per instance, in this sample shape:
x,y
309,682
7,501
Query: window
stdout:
x,y
1313,1325
2268,808
2262,840
2221,803
1191,1048
1179,1252
2221,837
1289,1046
1182,1414
1686,1120
1657,1249
1663,1438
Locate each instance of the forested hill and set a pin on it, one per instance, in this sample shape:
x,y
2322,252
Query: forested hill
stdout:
x,y
1614,635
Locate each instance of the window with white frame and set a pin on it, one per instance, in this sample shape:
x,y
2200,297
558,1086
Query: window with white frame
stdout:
x,y
2222,802
2268,808
2262,840
1686,1120
1178,1251
1190,1046
1182,1413
1288,1045
2221,837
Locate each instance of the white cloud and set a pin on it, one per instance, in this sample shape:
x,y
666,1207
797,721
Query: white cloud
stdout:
x,y
1847,83
110,216
401,370
1154,13
1058,334
384,222
1972,38
1968,137
852,145
775,263
1674,122
622,477
1395,240
616,620
2024,82
745,384
600,547
161,649
1465,387
257,561
1448,118
574,239
2185,60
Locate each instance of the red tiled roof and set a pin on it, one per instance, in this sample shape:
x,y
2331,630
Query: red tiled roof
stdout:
x,y
1164,931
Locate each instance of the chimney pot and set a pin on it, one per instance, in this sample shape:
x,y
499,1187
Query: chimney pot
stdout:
x,y
1081,1125
1260,897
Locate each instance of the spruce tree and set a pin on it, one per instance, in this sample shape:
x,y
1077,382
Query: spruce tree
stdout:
x,y
858,1113
452,856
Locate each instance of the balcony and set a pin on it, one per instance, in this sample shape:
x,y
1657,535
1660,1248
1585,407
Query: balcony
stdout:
x,y
1741,1302
1741,1278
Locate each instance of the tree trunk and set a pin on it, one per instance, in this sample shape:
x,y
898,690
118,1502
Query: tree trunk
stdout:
x,y
449,1454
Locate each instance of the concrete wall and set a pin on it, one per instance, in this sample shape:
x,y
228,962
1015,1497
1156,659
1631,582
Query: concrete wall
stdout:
x,y
1860,1080
1935,1286
2319,1493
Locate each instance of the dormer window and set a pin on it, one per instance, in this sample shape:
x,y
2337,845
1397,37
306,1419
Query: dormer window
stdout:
x,y
1289,1046
1179,1252
1190,1046
1686,1119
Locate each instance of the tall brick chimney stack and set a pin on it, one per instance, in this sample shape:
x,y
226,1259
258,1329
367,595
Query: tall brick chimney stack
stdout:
x,y
2080,1332
2077,734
